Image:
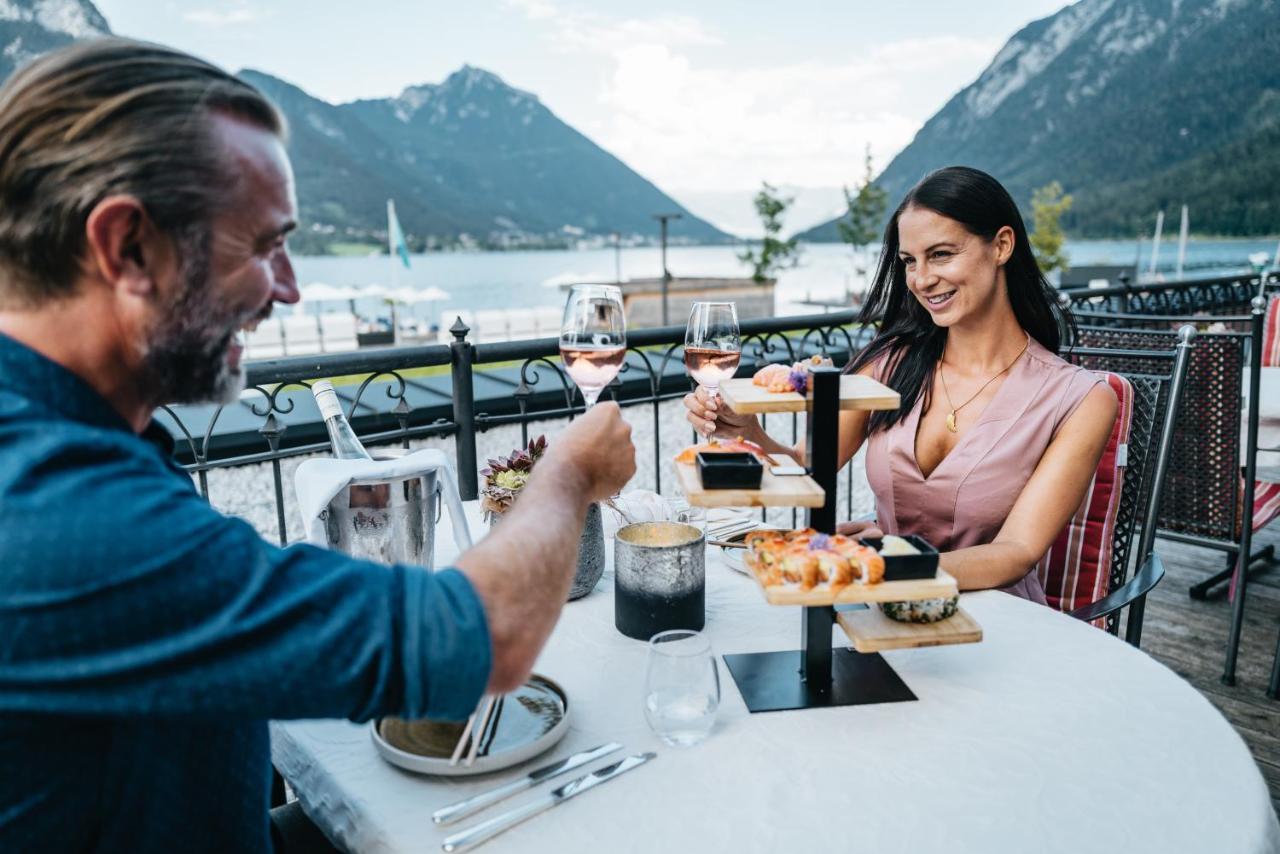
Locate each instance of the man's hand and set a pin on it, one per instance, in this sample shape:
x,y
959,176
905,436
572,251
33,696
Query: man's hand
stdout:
x,y
594,452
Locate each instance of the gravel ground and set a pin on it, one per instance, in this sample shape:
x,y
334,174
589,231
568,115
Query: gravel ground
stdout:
x,y
248,491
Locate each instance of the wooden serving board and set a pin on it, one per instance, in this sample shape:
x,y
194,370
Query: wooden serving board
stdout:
x,y
856,392
872,631
941,585
774,491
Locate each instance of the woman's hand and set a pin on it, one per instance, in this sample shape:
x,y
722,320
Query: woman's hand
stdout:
x,y
711,417
860,529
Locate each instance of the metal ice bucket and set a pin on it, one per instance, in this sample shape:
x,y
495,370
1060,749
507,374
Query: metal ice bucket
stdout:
x,y
389,520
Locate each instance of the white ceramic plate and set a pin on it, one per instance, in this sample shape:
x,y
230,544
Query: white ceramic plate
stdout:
x,y
534,718
733,557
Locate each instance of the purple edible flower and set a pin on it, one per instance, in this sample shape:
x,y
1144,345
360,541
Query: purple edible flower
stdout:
x,y
799,380
819,543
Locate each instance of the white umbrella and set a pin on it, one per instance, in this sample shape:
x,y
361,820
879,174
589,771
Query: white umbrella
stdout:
x,y
412,296
321,292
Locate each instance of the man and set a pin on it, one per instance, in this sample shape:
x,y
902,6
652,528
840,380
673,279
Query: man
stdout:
x,y
145,639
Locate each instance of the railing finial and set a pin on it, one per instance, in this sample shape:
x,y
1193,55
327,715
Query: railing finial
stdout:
x,y
459,329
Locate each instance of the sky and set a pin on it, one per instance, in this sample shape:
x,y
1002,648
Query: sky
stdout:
x,y
706,98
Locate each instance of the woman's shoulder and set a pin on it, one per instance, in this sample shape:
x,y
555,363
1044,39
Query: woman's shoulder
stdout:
x,y
1059,369
1067,385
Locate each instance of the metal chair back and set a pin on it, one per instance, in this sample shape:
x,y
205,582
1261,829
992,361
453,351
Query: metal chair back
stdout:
x,y
1158,390
1202,496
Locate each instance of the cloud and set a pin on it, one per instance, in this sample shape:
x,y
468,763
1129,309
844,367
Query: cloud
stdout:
x,y
235,15
684,118
534,10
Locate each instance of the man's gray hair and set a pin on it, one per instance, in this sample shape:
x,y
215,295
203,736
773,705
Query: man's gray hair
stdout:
x,y
107,117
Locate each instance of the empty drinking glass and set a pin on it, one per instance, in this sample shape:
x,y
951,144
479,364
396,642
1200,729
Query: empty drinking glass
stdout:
x,y
682,687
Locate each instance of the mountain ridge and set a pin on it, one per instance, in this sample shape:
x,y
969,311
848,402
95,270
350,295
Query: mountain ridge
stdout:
x,y
1110,93
469,161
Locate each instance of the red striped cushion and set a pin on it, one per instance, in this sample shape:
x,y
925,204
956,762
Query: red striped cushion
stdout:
x,y
1077,568
1271,334
1266,503
1266,507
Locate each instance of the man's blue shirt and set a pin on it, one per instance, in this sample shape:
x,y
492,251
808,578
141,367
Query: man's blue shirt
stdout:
x,y
146,639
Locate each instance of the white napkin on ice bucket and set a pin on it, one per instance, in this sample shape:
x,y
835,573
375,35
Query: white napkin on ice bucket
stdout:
x,y
316,482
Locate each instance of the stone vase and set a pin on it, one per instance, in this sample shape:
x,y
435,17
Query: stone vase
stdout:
x,y
590,553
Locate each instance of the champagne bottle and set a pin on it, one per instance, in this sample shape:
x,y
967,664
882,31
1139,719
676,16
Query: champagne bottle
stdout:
x,y
343,439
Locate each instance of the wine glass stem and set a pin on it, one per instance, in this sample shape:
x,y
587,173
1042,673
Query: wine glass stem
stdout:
x,y
590,397
713,396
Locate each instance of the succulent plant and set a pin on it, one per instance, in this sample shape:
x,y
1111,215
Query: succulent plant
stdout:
x,y
504,477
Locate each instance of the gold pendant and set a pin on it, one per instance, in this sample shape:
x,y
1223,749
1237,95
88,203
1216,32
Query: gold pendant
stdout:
x,y
951,421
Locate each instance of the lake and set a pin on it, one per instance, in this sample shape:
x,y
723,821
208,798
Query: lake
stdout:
x,y
492,280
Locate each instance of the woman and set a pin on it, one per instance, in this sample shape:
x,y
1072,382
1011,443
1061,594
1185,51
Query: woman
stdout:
x,y
997,438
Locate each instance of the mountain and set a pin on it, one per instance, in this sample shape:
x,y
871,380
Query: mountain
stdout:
x,y
1133,106
29,28
507,164
471,160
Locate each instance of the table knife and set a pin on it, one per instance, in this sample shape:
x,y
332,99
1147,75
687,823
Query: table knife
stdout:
x,y
472,805
471,837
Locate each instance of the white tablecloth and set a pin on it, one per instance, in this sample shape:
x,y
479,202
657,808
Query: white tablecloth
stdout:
x,y
1048,736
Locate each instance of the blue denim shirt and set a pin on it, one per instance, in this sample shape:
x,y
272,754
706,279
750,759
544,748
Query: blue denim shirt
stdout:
x,y
146,639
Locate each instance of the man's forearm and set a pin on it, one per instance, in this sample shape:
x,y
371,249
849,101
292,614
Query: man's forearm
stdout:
x,y
536,542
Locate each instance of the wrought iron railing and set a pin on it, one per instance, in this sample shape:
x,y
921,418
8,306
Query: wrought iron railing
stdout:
x,y
1229,295
396,395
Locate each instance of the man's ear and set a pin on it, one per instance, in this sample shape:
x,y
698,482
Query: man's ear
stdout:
x,y
120,244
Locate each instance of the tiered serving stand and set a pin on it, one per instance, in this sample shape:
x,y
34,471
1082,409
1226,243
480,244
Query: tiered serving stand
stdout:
x,y
817,675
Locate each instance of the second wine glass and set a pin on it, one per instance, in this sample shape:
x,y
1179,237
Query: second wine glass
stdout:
x,y
712,344
593,338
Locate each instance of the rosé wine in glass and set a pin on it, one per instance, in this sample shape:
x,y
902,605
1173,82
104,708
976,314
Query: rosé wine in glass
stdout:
x,y
593,338
712,344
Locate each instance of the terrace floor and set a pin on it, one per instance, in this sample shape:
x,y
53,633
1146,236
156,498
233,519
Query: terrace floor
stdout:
x,y
1190,637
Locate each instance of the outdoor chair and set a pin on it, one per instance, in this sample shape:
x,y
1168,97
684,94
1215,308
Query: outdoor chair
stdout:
x,y
1084,572
338,332
301,335
1206,499
1271,333
267,341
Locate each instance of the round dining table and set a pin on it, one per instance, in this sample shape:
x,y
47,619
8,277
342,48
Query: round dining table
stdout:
x,y
1049,735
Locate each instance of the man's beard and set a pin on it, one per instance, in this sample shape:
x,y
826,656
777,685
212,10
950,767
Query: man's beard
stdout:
x,y
186,358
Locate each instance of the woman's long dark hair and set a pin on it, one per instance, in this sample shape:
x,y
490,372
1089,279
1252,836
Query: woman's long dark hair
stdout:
x,y
909,341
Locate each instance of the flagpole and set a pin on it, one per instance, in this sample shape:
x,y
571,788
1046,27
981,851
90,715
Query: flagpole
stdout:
x,y
395,274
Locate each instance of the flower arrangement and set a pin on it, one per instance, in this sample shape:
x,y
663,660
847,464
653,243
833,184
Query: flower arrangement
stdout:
x,y
506,476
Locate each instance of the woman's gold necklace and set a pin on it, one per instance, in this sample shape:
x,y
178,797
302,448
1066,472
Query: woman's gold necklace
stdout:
x,y
951,416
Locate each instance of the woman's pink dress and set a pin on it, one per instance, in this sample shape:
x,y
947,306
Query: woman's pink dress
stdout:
x,y
966,499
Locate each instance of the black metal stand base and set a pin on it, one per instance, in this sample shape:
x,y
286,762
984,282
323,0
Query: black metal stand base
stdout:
x,y
771,681
1205,589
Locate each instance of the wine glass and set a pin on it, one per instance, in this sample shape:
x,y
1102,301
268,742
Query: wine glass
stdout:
x,y
712,344
681,687
593,338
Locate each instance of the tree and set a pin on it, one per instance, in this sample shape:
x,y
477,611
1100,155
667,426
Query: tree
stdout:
x,y
860,226
1048,204
775,254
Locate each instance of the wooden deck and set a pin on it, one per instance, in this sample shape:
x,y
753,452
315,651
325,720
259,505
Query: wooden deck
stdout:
x,y
1190,638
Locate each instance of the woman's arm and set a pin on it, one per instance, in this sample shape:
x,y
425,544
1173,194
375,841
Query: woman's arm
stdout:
x,y
1046,503
714,418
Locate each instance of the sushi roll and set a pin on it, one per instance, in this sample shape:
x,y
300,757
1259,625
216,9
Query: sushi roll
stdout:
x,y
922,610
